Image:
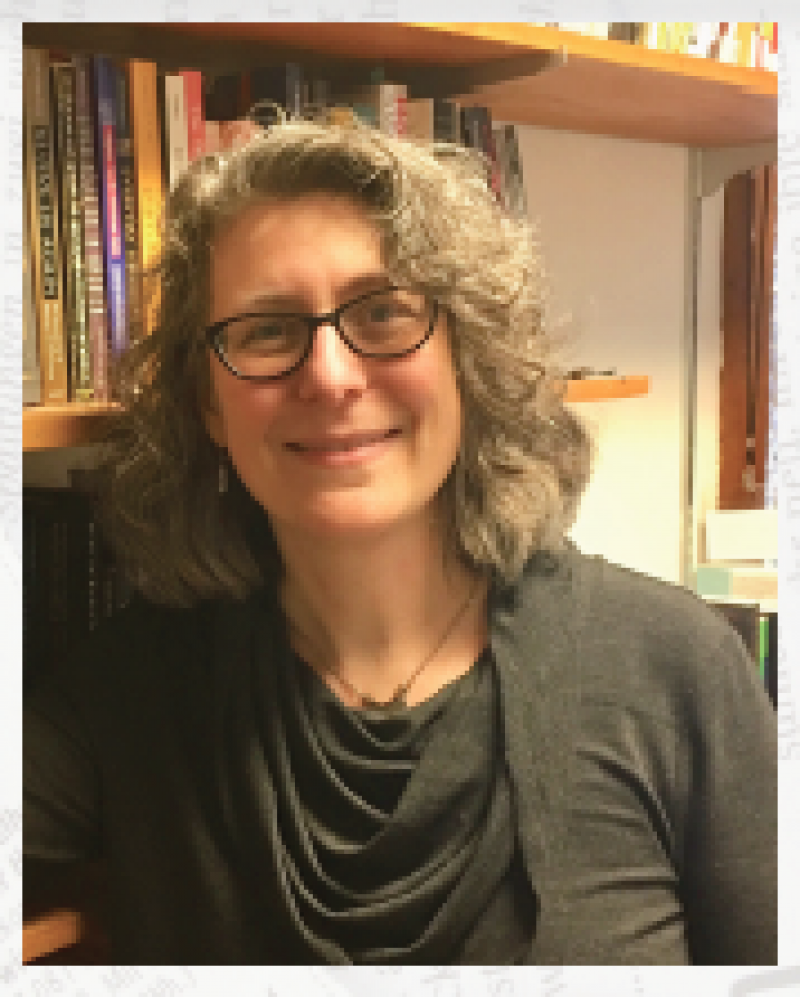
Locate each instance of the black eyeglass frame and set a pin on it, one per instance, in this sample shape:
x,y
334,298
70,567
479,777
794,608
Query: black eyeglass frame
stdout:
x,y
214,332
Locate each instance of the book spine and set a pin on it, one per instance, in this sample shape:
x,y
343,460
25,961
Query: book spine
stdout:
x,y
143,90
127,195
392,108
31,375
446,120
177,132
419,118
295,86
195,124
45,227
32,633
74,270
514,185
96,310
488,148
772,659
113,238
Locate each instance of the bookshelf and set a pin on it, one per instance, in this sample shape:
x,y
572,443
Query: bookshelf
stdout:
x,y
76,424
525,74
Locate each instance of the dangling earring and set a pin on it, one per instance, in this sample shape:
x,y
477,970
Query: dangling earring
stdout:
x,y
223,476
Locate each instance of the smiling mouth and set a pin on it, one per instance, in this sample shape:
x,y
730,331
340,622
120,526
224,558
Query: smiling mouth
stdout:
x,y
343,445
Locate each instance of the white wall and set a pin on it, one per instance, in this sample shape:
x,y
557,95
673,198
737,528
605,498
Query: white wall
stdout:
x,y
612,217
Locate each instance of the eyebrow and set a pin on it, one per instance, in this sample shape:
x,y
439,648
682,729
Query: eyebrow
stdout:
x,y
352,289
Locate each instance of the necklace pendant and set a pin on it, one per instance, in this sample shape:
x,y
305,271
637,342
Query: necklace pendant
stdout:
x,y
391,707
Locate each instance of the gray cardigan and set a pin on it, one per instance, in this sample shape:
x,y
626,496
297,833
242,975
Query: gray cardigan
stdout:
x,y
641,747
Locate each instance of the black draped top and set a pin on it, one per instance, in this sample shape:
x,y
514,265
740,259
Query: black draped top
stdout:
x,y
395,836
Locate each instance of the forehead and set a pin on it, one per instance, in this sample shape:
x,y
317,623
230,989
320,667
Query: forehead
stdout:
x,y
305,248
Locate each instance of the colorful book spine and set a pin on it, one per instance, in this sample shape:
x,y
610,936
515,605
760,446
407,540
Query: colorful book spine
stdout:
x,y
88,181
127,195
74,270
113,236
43,204
148,177
195,123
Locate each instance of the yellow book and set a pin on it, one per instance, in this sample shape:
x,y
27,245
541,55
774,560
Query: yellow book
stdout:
x,y
744,37
148,180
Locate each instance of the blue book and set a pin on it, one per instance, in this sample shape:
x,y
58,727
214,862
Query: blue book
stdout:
x,y
110,202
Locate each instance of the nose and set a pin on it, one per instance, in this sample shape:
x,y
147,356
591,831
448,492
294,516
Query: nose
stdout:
x,y
331,368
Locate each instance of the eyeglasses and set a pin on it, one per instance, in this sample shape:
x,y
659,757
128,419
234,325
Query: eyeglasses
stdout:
x,y
386,324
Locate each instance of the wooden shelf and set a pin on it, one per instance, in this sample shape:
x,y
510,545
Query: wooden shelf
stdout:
x,y
49,426
50,933
600,389
599,87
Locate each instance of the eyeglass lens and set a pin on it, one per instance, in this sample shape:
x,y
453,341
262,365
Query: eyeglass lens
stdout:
x,y
383,324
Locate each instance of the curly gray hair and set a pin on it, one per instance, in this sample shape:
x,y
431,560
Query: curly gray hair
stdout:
x,y
524,459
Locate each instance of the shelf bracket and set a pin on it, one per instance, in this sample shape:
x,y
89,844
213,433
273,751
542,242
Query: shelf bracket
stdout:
x,y
720,164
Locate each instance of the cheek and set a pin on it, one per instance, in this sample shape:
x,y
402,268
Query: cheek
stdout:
x,y
241,412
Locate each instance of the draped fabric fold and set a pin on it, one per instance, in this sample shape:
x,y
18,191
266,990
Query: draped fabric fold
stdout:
x,y
388,839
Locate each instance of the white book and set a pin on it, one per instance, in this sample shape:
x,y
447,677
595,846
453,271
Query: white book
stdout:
x,y
177,126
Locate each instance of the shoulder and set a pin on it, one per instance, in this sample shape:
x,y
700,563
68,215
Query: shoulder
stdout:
x,y
640,641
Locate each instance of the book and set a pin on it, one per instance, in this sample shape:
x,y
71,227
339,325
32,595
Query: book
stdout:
x,y
91,226
225,99
111,208
476,133
148,181
195,123
66,570
127,197
283,84
31,375
512,185
771,667
176,126
44,219
433,119
380,105
72,261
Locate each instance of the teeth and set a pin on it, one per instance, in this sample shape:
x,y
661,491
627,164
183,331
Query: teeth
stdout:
x,y
344,448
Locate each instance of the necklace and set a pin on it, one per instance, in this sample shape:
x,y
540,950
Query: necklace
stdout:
x,y
397,702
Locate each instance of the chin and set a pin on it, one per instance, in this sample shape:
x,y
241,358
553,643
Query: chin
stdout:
x,y
333,519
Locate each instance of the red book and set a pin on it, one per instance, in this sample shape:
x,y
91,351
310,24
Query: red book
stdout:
x,y
195,120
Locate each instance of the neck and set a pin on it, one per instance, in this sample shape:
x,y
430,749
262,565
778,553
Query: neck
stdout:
x,y
373,610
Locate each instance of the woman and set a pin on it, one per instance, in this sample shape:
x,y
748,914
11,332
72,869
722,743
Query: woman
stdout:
x,y
371,706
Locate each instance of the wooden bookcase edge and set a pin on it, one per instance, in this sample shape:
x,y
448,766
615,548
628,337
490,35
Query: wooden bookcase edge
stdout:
x,y
47,427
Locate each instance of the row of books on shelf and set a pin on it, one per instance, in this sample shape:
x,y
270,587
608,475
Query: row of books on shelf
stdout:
x,y
105,137
753,45
70,581
759,632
